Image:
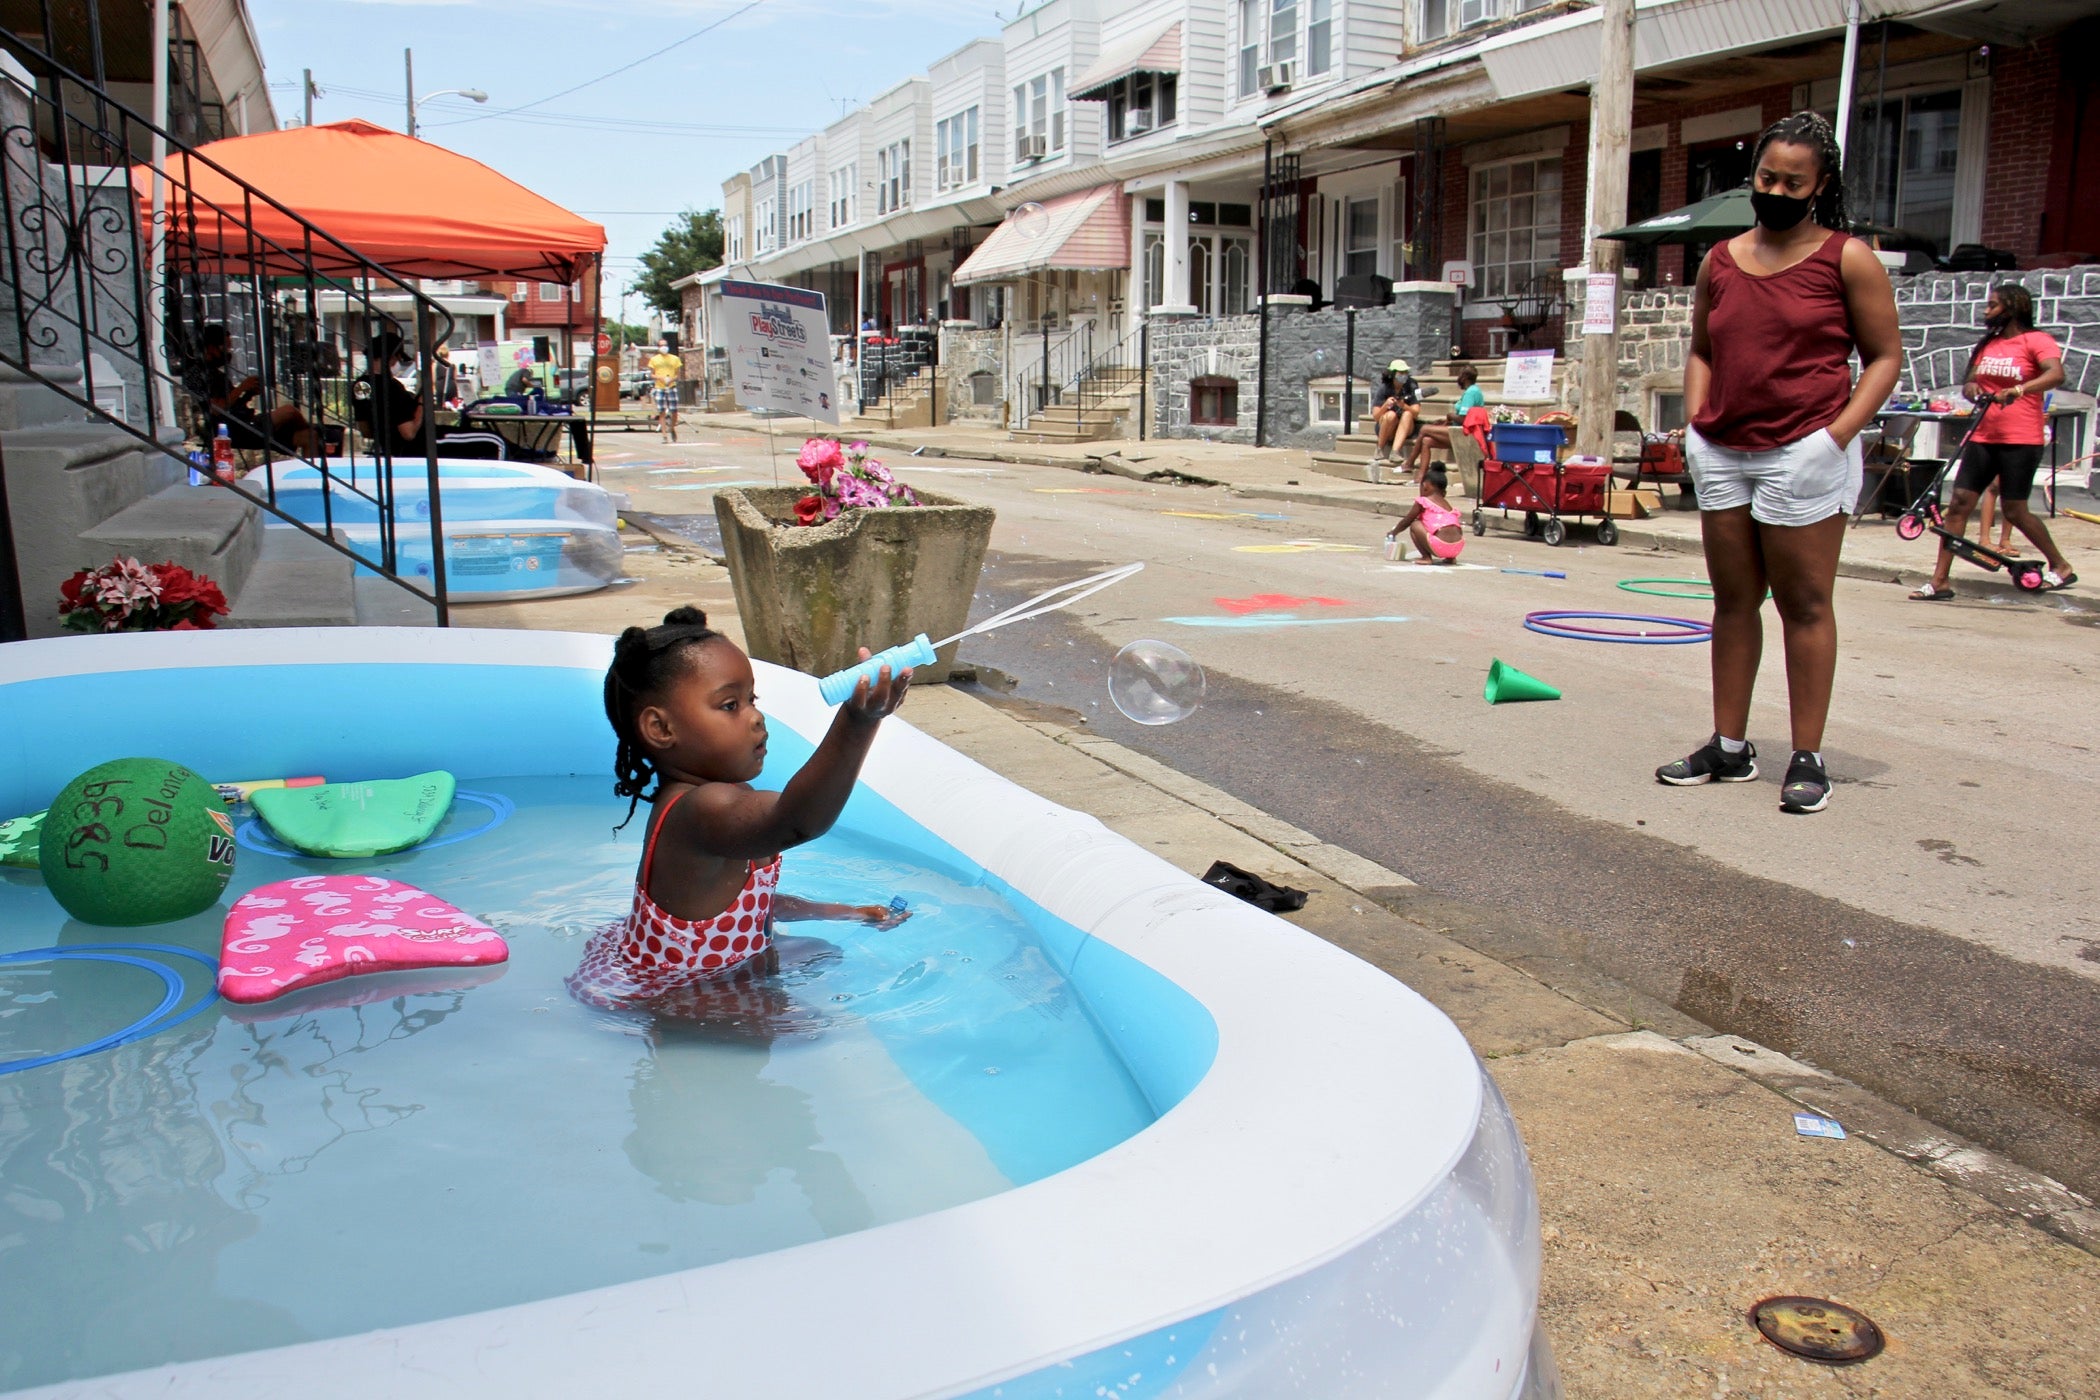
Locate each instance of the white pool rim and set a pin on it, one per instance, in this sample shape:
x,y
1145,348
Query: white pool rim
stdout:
x,y
1338,1100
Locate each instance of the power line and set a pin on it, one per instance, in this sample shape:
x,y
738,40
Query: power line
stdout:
x,y
625,67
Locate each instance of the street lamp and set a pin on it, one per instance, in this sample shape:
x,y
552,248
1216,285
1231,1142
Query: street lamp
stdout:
x,y
408,62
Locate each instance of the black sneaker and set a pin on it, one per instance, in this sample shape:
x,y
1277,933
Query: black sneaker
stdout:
x,y
1711,764
1807,787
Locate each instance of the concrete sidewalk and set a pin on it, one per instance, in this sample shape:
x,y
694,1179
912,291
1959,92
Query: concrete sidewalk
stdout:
x,y
1674,1189
1872,550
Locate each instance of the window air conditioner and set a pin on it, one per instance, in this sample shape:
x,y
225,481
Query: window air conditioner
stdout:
x,y
1265,77
1281,76
1031,147
1138,121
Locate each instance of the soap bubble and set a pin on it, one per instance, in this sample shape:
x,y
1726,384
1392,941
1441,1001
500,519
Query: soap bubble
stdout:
x,y
1030,220
1154,683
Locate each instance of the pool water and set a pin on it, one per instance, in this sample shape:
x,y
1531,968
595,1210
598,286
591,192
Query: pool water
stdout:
x,y
382,1151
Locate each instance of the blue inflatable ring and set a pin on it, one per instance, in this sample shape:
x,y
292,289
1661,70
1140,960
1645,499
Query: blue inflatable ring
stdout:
x,y
152,1023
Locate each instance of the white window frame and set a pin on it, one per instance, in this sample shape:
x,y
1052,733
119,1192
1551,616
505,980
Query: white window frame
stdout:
x,y
552,291
519,291
767,228
893,176
1249,47
734,238
1270,32
1319,37
845,187
1483,300
955,145
1440,19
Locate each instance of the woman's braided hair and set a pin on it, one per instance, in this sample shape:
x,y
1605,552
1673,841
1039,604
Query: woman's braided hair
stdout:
x,y
1811,130
644,662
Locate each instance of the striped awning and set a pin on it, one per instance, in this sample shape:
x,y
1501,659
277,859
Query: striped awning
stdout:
x,y
1155,51
1084,232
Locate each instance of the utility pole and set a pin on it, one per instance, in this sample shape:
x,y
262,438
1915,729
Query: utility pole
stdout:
x,y
1611,133
306,86
408,65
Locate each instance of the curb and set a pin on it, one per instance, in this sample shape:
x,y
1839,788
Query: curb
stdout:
x,y
2040,1200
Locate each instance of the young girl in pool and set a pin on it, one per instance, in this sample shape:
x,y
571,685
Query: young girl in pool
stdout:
x,y
682,704
1431,522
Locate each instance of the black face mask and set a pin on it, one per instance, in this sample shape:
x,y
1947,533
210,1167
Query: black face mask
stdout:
x,y
1779,212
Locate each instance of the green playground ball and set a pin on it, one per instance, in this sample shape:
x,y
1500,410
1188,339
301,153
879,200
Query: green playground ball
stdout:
x,y
136,841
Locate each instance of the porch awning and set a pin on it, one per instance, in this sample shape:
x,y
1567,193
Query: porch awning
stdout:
x,y
1084,232
1157,51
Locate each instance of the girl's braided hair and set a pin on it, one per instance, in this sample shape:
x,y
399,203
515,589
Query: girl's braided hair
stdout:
x,y
644,662
2019,310
1811,130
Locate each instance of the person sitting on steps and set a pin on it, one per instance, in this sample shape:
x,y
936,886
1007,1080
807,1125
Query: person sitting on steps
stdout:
x,y
1436,437
1393,408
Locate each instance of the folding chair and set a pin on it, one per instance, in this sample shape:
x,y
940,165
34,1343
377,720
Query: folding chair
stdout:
x,y
1888,456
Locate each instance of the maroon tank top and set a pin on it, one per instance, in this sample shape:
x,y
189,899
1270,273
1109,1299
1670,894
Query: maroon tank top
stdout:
x,y
1780,347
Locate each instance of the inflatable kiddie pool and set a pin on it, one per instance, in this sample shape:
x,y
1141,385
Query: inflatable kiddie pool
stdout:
x,y
512,529
1308,1186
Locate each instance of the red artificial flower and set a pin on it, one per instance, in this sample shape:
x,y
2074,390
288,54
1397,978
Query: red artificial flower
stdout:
x,y
809,510
187,626
69,591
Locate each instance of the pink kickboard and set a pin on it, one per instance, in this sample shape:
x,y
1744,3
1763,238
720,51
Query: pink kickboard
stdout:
x,y
315,929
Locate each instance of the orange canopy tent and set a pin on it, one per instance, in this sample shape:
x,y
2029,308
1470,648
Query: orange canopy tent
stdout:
x,y
415,209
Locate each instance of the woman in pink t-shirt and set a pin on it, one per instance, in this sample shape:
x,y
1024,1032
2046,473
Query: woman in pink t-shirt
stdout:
x,y
2013,366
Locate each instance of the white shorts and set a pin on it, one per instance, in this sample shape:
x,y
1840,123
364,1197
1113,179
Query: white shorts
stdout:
x,y
1804,482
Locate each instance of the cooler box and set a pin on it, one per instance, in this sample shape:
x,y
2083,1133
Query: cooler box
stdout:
x,y
1526,442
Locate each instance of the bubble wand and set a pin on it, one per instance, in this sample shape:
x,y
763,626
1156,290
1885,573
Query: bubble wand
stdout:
x,y
837,687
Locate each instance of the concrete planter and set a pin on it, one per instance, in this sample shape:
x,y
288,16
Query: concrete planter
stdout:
x,y
810,596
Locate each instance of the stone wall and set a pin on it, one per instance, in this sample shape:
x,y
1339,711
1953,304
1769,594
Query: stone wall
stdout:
x,y
1181,349
966,352
1303,345
1941,315
1942,318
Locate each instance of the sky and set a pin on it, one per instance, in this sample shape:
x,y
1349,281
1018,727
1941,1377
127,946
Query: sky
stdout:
x,y
633,150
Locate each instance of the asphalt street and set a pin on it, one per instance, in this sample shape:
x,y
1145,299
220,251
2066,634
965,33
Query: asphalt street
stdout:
x,y
1931,936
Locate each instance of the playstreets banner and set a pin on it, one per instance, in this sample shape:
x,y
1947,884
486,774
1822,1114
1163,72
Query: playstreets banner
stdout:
x,y
779,342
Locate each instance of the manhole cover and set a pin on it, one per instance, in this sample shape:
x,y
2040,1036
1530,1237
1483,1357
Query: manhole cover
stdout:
x,y
1817,1329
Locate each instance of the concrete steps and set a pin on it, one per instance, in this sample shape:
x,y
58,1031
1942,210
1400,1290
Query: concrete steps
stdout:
x,y
299,582
205,529
83,492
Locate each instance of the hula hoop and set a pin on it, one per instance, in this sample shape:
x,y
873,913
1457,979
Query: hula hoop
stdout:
x,y
254,836
1634,585
1554,624
152,1023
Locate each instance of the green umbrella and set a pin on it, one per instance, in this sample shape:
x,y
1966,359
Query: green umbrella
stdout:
x,y
1711,219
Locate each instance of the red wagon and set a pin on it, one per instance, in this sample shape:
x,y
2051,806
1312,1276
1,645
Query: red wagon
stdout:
x,y
1546,492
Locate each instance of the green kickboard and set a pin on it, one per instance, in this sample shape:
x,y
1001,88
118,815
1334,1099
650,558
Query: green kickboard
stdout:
x,y
357,819
18,840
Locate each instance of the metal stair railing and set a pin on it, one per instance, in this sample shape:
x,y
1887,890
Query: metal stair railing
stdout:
x,y
115,259
1091,390
1042,380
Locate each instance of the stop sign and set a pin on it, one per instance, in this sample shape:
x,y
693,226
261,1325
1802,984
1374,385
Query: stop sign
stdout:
x,y
604,343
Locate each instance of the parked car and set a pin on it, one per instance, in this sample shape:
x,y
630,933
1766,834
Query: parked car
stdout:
x,y
636,384
572,386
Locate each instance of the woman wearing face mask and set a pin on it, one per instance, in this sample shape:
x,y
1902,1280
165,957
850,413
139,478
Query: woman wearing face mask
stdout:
x,y
1774,415
2012,367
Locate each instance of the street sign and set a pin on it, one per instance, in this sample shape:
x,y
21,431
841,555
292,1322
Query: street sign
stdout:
x,y
604,343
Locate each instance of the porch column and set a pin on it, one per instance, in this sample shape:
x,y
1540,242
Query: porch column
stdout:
x,y
1177,238
1135,299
